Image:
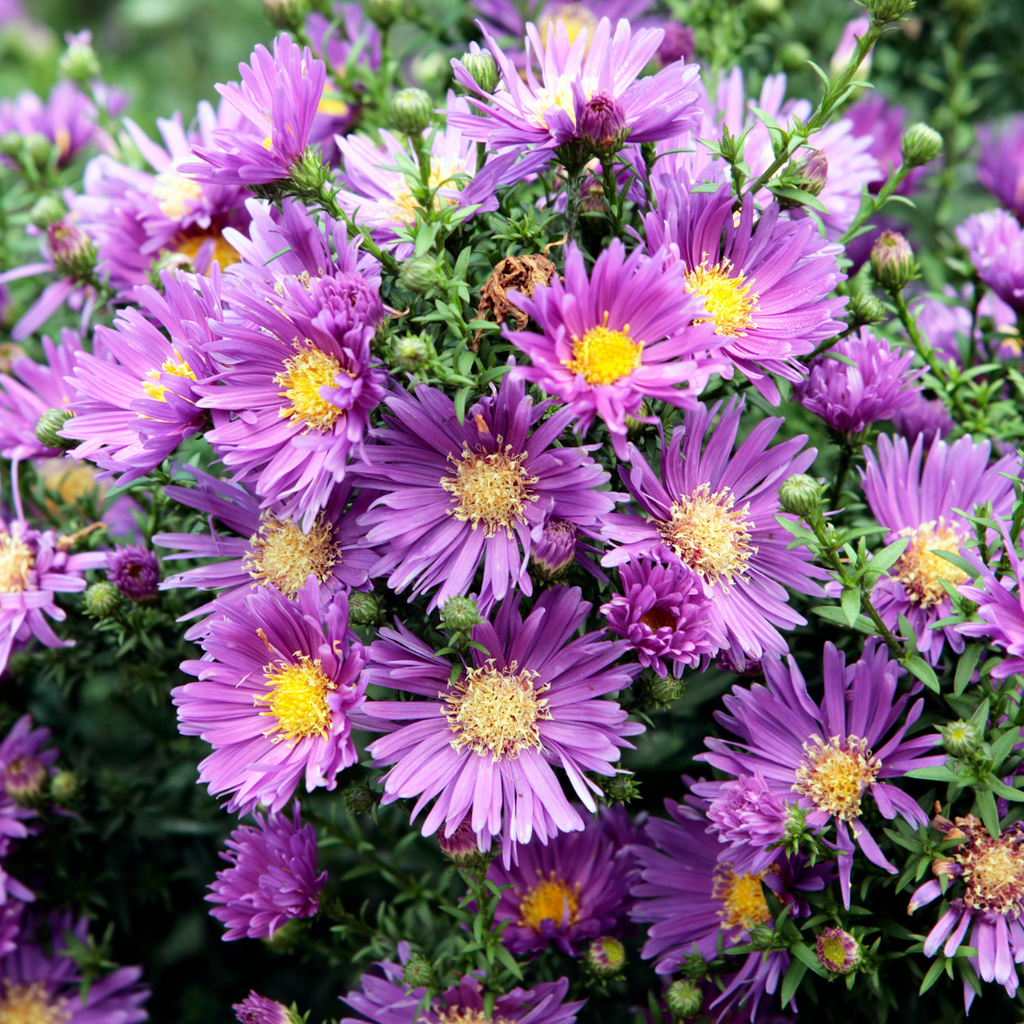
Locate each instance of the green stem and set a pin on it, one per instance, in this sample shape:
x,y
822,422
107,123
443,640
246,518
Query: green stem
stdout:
x,y
845,459
875,203
610,188
572,203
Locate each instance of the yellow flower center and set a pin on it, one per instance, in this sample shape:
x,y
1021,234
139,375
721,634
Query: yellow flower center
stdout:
x,y
188,245
919,569
177,367
406,205
297,699
175,193
495,710
16,561
726,298
835,775
462,1015
304,374
492,489
282,556
575,17
993,873
835,952
268,143
332,105
709,535
549,900
604,356
744,902
556,94
30,1004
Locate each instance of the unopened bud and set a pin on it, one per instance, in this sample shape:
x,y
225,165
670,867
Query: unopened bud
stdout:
x,y
838,951
419,274
864,309
48,426
892,261
24,780
684,998
383,13
39,148
800,494
309,172
813,173
363,609
794,55
462,846
11,143
961,738
762,937
602,124
484,69
78,62
286,14
135,571
411,353
552,555
677,44
460,614
606,956
358,798
412,110
102,599
885,11
418,972
621,787
46,210
664,691
64,787
920,144
694,967
72,250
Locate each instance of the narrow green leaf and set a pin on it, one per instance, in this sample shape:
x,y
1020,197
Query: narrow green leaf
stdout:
x,y
850,603
791,981
989,812
918,667
798,196
965,667
887,557
933,975
937,773
1001,747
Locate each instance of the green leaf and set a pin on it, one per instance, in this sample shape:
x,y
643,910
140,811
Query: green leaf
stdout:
x,y
887,557
958,560
907,633
965,667
918,667
461,397
1001,747
850,603
1006,792
798,196
989,812
508,961
934,972
791,981
831,613
937,773
808,958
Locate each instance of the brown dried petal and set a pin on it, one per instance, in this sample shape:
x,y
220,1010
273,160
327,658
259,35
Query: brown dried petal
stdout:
x,y
521,273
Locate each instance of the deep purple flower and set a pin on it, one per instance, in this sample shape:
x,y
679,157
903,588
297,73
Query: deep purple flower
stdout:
x,y
35,566
458,496
40,982
67,120
269,549
827,757
272,878
267,657
750,817
873,386
485,740
765,288
665,615
1001,163
566,891
135,570
610,340
995,243
714,511
137,393
919,503
925,418
257,1009
278,97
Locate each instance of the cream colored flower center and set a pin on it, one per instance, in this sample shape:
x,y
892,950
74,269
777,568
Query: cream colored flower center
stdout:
x,y
744,903
297,699
406,206
710,536
464,1015
993,873
550,899
496,711
604,356
835,775
490,488
175,193
575,17
16,561
726,298
920,570
304,374
281,555
30,1004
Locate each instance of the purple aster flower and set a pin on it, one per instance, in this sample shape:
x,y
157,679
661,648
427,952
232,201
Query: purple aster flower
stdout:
x,y
506,17
665,615
564,892
296,386
278,97
765,289
990,901
472,494
257,1009
715,513
267,657
40,982
35,566
750,817
693,902
30,391
1001,163
135,570
610,340
919,503
995,243
67,119
137,392
485,740
10,925
874,385
389,1000
925,418
828,757
544,111
272,878
269,549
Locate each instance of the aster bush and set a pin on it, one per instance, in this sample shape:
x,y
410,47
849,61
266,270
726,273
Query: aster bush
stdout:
x,y
550,474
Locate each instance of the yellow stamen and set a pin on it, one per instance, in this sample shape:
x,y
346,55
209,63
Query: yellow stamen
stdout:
x,y
835,775
175,366
490,488
282,556
549,900
16,561
920,570
297,699
726,298
303,376
744,900
31,1004
575,17
604,355
189,245
175,193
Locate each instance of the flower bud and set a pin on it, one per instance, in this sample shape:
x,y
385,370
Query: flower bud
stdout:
x,y
838,951
621,787
135,571
762,937
892,261
78,62
64,787
46,210
309,173
419,275
794,55
383,13
555,552
684,998
813,173
101,600
257,1009
412,110
411,353
462,846
606,956
664,691
72,250
961,738
418,972
864,309
484,69
602,124
800,494
358,798
286,14
920,145
38,147
363,609
10,144
460,614
48,426
25,780
885,11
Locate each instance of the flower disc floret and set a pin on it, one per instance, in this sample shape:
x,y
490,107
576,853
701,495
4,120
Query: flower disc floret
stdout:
x,y
16,562
604,356
281,555
921,570
298,699
551,899
490,487
303,377
743,902
32,1004
729,301
835,774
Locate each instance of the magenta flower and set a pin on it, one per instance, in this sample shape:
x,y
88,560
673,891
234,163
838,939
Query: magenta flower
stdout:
x,y
275,697
750,817
506,17
272,878
610,340
665,615
874,385
67,119
257,1009
135,570
925,418
1001,163
919,503
484,740
473,494
713,510
995,243
828,757
278,98
765,289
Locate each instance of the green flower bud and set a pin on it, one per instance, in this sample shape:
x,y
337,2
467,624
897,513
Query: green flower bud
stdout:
x,y
24,781
64,787
664,691
286,936
102,599
460,614
418,972
920,145
418,275
800,494
694,967
46,429
961,738
358,798
72,250
885,11
838,951
78,62
383,13
11,143
46,210
864,309
484,69
363,609
309,172
684,998
411,353
286,14
412,111
622,788
794,55
38,147
892,261
606,957
762,937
